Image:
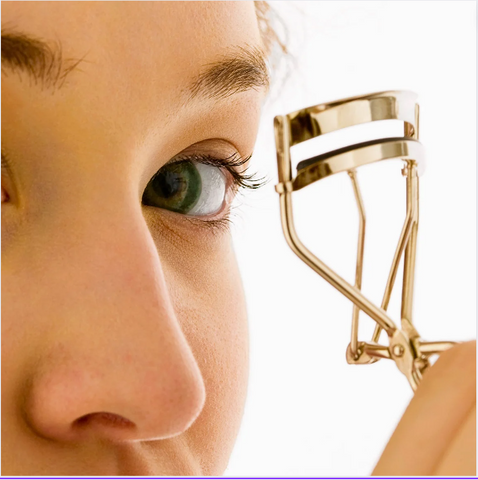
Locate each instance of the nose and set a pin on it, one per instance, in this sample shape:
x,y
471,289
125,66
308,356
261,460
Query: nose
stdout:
x,y
112,361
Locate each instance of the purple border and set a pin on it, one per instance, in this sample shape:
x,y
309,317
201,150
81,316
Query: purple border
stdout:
x,y
237,478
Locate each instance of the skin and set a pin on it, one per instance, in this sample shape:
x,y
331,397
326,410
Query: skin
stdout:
x,y
437,433
111,306
108,305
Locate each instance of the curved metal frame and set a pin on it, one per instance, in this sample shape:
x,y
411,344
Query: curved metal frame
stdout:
x,y
405,347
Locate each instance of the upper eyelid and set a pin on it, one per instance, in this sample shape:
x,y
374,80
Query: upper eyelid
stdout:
x,y
229,163
210,159
205,159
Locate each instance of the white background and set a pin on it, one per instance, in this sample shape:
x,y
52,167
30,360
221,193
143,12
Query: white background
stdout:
x,y
308,412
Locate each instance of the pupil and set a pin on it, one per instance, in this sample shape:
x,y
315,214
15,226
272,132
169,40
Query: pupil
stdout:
x,y
175,187
168,184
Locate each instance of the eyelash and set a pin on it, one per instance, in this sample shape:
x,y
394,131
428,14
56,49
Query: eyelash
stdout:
x,y
231,164
241,180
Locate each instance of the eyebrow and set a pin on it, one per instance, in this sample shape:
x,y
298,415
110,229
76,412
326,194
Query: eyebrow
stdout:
x,y
43,62
240,70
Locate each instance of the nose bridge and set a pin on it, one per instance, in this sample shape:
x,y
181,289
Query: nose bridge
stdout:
x,y
92,254
112,347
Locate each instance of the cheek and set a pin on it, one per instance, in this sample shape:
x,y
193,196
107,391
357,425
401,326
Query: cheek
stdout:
x,y
209,302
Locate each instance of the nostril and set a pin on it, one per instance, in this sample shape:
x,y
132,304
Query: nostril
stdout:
x,y
105,419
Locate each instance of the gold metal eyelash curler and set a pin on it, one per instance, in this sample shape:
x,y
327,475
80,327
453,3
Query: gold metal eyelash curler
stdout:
x,y
410,353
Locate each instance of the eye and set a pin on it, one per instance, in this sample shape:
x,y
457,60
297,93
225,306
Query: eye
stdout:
x,y
4,195
5,175
187,187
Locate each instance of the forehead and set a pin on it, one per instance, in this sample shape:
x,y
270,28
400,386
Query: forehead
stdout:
x,y
136,60
166,41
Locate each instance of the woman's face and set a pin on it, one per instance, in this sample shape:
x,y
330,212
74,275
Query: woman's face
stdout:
x,y
124,336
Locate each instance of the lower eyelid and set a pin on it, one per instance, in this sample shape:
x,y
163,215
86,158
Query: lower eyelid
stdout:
x,y
215,223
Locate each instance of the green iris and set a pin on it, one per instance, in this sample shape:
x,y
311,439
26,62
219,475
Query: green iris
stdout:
x,y
176,187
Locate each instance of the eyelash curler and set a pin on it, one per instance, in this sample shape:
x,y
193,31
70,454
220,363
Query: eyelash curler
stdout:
x,y
410,353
